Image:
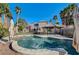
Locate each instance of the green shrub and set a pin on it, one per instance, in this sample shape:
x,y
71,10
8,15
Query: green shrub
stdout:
x,y
20,28
3,31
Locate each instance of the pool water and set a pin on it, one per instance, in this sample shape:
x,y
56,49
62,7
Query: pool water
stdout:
x,y
35,42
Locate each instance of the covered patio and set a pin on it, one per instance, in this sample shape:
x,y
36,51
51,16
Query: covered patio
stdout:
x,y
49,29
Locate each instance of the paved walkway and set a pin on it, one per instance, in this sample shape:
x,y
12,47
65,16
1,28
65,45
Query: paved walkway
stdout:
x,y
5,50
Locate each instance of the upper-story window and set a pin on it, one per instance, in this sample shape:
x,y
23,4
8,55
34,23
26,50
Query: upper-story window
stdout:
x,y
36,25
78,10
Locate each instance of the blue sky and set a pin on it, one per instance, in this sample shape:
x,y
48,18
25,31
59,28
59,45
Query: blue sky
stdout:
x,y
35,12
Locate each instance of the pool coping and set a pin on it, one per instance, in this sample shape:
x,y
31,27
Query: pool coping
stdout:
x,y
22,50
27,51
52,36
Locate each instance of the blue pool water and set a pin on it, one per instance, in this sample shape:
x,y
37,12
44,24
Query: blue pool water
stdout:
x,y
35,42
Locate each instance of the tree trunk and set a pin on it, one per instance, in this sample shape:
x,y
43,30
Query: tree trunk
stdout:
x,y
0,20
17,23
6,24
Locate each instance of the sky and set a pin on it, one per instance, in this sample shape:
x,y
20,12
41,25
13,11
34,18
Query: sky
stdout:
x,y
35,12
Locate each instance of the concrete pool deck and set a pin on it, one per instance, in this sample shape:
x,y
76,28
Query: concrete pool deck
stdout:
x,y
55,36
52,36
5,50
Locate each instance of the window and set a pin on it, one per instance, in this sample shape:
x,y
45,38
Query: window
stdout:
x,y
78,9
36,25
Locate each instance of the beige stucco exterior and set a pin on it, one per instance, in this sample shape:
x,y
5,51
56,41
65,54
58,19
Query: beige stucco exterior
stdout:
x,y
43,23
76,31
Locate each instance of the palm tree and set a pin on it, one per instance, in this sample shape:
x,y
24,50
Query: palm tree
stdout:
x,y
67,14
9,15
1,20
62,14
57,23
50,21
72,8
18,10
6,11
55,18
1,13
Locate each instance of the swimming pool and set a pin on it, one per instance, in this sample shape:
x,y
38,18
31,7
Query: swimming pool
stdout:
x,y
35,42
